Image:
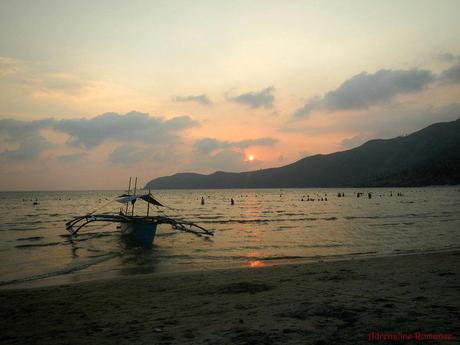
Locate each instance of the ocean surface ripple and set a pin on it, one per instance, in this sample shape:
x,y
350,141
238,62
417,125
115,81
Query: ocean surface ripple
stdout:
x,y
263,227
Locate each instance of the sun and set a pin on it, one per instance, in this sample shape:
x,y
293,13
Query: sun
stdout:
x,y
251,158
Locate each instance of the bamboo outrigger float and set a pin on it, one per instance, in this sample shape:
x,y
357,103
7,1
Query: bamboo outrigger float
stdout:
x,y
140,229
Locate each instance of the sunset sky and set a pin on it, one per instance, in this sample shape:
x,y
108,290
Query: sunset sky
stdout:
x,y
92,92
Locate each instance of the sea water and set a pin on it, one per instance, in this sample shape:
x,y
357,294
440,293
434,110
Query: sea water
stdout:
x,y
263,227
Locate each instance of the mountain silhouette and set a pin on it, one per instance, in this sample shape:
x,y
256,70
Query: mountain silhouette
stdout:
x,y
430,156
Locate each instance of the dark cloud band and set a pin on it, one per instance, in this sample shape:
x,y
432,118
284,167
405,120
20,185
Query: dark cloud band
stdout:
x,y
85,133
201,99
208,145
256,99
364,90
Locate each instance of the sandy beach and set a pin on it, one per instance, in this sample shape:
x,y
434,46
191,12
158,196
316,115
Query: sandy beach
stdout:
x,y
340,302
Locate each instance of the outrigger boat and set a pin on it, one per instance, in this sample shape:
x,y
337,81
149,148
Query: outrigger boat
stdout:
x,y
139,229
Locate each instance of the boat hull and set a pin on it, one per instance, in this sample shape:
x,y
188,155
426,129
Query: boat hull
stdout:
x,y
139,232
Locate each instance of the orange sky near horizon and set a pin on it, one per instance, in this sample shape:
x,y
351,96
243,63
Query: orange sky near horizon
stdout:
x,y
94,92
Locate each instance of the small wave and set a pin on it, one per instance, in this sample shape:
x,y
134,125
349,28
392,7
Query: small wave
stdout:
x,y
251,258
285,257
362,253
83,236
88,236
286,227
385,224
210,217
235,221
408,215
33,238
404,251
248,247
166,234
30,222
172,256
266,220
17,227
37,245
330,245
64,271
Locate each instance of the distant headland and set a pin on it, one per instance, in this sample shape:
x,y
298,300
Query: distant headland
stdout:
x,y
430,156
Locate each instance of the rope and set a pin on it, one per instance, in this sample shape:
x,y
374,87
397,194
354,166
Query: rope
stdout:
x,y
97,209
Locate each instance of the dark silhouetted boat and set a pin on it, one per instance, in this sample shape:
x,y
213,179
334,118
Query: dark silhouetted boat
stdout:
x,y
139,229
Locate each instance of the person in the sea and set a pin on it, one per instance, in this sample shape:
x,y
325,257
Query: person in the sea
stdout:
x,y
232,202
202,200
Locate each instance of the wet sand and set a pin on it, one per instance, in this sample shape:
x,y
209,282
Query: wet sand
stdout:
x,y
320,303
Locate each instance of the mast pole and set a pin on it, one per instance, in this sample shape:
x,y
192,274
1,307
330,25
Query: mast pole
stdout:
x,y
129,189
148,205
135,187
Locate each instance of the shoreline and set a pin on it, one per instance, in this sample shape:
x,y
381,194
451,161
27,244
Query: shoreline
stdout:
x,y
64,279
309,303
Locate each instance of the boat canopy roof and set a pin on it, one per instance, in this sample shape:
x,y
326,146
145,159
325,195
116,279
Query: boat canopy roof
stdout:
x,y
127,198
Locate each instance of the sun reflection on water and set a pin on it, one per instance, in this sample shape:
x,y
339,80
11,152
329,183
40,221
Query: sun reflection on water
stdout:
x,y
257,263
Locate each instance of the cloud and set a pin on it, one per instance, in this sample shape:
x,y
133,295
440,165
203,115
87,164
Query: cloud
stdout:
x,y
29,149
72,158
267,141
15,130
256,99
311,105
179,123
201,99
61,86
8,66
394,121
364,90
208,145
401,120
355,141
132,127
389,121
128,130
65,83
303,154
451,75
448,57
128,154
26,136
214,154
225,160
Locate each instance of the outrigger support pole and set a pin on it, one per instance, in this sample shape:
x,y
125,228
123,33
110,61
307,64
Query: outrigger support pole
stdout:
x,y
135,187
129,190
148,205
77,223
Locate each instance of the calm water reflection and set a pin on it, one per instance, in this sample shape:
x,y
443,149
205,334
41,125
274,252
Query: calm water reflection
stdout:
x,y
262,227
